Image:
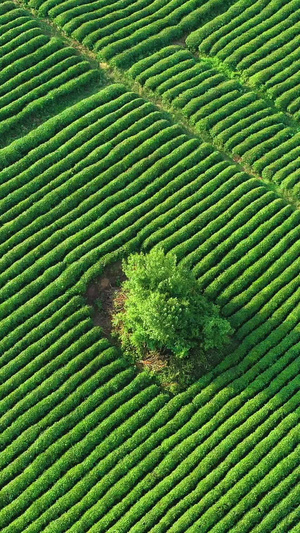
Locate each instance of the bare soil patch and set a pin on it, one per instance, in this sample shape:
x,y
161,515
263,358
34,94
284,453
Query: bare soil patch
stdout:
x,y
182,40
101,294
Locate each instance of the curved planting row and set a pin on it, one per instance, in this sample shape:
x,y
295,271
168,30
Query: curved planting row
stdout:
x,y
236,118
86,394
194,445
236,403
135,37
261,40
36,71
124,30
258,39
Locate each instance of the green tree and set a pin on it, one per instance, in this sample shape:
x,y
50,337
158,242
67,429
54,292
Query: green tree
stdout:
x,y
163,308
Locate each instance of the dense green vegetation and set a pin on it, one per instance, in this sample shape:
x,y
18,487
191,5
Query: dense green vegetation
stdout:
x,y
38,73
215,102
164,309
245,37
90,173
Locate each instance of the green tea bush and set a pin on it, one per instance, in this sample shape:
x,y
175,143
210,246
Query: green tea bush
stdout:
x,y
146,64
164,308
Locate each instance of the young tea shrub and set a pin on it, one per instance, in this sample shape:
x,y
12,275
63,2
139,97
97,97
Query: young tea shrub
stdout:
x,y
161,308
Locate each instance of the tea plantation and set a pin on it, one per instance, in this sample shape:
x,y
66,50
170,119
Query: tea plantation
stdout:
x,y
128,124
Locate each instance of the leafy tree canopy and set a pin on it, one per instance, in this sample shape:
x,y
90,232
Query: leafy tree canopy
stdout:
x,y
165,309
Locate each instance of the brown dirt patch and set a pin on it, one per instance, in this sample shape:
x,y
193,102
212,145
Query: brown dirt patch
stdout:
x,y
237,159
153,361
104,65
182,40
100,295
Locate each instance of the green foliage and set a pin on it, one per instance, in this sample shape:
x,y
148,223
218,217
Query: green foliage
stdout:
x,y
112,174
164,308
38,74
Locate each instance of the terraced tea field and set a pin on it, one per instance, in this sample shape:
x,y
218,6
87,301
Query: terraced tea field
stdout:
x,y
126,125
